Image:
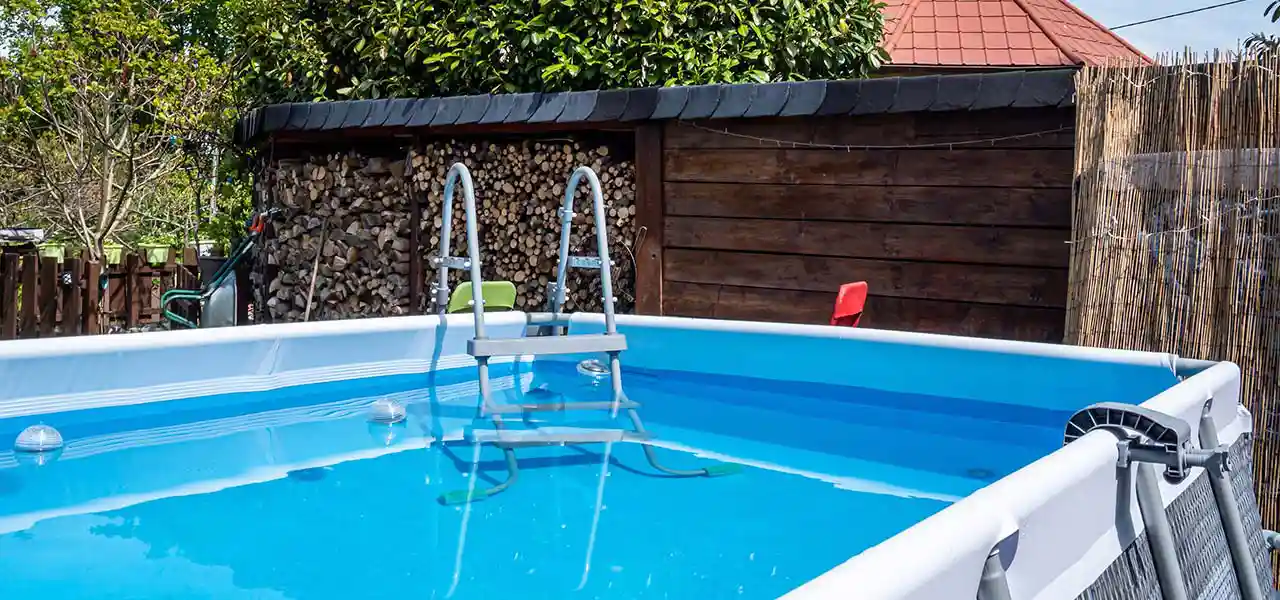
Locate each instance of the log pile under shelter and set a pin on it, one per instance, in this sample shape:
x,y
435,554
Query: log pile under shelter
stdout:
x,y
347,219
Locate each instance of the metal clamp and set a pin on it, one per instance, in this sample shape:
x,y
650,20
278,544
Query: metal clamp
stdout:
x,y
1176,460
566,215
584,262
451,262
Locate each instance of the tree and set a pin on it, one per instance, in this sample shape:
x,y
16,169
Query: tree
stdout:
x,y
301,50
1261,43
101,104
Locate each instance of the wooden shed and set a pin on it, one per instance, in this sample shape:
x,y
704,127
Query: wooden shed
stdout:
x,y
949,195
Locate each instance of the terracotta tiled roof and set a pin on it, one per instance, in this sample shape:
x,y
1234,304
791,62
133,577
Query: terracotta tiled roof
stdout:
x,y
998,33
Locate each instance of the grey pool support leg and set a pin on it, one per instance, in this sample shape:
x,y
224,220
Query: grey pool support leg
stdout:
x,y
1164,551
1232,523
994,584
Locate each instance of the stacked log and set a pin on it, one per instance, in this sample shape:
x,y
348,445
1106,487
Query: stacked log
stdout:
x,y
519,188
351,212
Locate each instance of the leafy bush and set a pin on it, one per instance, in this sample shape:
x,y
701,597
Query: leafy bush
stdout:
x,y
301,50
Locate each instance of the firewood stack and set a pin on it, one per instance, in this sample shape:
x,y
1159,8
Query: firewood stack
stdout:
x,y
519,187
354,211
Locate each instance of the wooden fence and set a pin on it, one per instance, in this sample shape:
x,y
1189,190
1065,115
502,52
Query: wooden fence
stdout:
x,y
46,296
1177,225
764,219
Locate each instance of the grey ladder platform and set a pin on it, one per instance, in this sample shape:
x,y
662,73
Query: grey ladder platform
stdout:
x,y
556,436
547,345
526,408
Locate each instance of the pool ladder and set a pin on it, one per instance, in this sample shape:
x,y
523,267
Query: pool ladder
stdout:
x,y
550,341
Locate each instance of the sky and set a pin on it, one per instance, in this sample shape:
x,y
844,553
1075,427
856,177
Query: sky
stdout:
x,y
1222,27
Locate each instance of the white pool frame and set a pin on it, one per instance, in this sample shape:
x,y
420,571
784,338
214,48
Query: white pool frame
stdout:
x,y
1058,516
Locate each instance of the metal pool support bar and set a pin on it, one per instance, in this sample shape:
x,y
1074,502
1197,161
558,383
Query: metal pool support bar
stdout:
x,y
1146,439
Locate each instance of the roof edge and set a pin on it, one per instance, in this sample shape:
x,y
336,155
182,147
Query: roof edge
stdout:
x,y
628,107
1113,34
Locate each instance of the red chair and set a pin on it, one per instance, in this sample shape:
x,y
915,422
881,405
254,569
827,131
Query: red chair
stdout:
x,y
849,304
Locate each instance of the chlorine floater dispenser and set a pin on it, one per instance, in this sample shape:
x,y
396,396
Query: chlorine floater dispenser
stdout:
x,y
39,444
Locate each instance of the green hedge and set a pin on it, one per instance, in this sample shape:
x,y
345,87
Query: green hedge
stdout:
x,y
332,49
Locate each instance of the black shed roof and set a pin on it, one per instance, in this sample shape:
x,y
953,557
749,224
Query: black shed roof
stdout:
x,y
976,91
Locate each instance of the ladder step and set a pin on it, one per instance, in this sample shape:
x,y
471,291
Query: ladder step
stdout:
x,y
507,409
558,344
556,435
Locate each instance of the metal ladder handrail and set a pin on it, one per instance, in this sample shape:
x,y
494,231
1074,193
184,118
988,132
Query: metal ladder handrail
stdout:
x,y
602,244
460,172
606,272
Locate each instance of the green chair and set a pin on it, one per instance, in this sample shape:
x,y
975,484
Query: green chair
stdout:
x,y
497,295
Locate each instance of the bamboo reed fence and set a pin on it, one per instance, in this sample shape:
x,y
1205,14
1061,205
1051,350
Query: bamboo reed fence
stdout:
x,y
1176,227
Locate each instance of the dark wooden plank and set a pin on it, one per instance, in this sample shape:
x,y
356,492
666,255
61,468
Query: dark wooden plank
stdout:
x,y
30,302
650,209
132,290
924,167
1051,124
93,297
937,243
9,296
72,297
903,314
1018,286
1028,207
48,295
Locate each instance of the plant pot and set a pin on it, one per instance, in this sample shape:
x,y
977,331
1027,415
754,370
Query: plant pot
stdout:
x,y
112,254
57,251
203,249
155,254
208,266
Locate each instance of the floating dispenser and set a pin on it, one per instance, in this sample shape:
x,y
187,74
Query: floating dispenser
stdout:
x,y
386,411
593,368
38,438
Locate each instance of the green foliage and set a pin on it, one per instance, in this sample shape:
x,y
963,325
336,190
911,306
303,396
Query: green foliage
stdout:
x,y
1262,44
102,104
300,50
150,88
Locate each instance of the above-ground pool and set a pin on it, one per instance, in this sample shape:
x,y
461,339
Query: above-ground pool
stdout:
x,y
243,463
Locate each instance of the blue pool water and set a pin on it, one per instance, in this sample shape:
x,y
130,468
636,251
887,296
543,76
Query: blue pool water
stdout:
x,y
292,494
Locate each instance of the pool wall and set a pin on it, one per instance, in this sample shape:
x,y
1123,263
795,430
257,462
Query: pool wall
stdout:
x,y
61,374
1063,522
1014,373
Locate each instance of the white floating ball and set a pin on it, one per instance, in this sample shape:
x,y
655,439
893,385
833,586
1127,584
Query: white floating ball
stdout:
x,y
38,438
387,411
